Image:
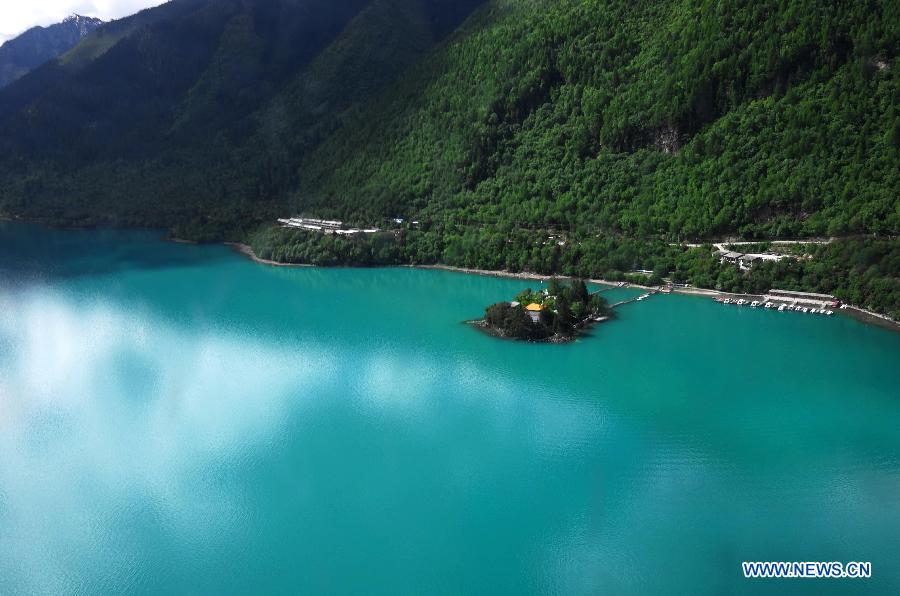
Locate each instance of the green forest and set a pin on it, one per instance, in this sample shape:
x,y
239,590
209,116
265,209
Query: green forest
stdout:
x,y
588,138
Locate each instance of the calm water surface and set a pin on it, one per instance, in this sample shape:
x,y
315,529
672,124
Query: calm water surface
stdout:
x,y
176,419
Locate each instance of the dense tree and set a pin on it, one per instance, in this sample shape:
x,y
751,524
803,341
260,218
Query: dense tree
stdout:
x,y
565,310
562,324
512,321
580,292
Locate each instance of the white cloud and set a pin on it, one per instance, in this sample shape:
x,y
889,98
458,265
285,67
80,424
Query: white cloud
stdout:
x,y
18,16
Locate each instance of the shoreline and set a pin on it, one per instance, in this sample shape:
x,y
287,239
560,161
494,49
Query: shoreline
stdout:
x,y
247,251
852,311
525,275
482,326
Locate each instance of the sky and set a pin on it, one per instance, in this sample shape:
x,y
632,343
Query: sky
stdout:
x,y
16,16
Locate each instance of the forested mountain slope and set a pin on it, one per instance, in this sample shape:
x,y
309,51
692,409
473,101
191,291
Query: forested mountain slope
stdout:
x,y
684,119
587,137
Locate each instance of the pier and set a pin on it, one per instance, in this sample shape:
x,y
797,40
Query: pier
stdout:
x,y
634,299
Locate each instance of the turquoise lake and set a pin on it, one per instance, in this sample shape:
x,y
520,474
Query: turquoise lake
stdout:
x,y
179,420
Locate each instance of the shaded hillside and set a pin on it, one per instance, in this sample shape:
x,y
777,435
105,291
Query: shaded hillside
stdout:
x,y
157,119
21,55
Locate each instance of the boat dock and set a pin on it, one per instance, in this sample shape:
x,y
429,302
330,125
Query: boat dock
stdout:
x,y
785,300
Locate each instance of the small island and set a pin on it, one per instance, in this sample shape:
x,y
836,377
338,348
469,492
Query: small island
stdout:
x,y
556,314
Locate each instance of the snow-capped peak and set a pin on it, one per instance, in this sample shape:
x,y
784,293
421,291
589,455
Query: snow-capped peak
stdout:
x,y
84,24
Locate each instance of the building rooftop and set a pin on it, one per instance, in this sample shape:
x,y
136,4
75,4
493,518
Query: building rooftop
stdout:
x,y
534,307
806,294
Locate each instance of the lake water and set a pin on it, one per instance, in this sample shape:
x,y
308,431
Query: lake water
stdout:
x,y
177,419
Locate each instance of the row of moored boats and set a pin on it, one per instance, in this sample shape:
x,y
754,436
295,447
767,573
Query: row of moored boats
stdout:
x,y
776,306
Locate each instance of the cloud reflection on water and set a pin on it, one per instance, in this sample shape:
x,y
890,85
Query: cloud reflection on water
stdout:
x,y
111,414
71,437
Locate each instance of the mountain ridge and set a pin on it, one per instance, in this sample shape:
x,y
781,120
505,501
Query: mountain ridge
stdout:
x,y
25,52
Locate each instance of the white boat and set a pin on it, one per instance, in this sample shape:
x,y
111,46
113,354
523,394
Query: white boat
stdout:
x,y
781,308
726,301
741,302
754,304
805,310
829,313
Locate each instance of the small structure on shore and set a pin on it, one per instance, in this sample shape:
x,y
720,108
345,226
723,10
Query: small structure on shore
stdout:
x,y
323,226
534,310
729,256
744,261
806,298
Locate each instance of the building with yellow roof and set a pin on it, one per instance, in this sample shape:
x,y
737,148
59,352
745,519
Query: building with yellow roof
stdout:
x,y
534,310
